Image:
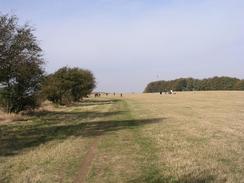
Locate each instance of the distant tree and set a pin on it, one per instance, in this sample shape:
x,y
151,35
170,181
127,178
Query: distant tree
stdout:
x,y
180,85
239,85
21,63
190,84
68,85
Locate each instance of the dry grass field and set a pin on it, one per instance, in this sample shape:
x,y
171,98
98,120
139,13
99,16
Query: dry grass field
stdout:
x,y
189,137
201,136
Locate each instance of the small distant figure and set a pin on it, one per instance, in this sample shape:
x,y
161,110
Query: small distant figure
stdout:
x,y
106,94
171,92
121,95
160,92
114,93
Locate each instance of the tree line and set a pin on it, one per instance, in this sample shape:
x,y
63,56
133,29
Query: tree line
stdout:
x,y
191,84
23,81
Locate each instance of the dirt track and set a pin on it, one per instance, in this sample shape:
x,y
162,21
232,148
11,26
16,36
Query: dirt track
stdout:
x,y
87,161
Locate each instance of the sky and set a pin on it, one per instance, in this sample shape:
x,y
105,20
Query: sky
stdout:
x,y
129,43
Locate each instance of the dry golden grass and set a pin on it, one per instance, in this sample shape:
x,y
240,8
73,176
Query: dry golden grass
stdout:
x,y
201,137
189,137
50,145
12,117
5,117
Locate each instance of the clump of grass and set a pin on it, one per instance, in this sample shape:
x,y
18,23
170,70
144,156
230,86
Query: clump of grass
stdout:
x,y
24,115
7,117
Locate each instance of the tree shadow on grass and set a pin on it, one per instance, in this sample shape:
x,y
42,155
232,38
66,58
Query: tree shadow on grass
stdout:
x,y
91,102
54,116
58,126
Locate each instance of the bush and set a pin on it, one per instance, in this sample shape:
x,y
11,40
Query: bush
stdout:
x,y
68,85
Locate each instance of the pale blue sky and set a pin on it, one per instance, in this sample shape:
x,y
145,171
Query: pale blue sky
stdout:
x,y
128,43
